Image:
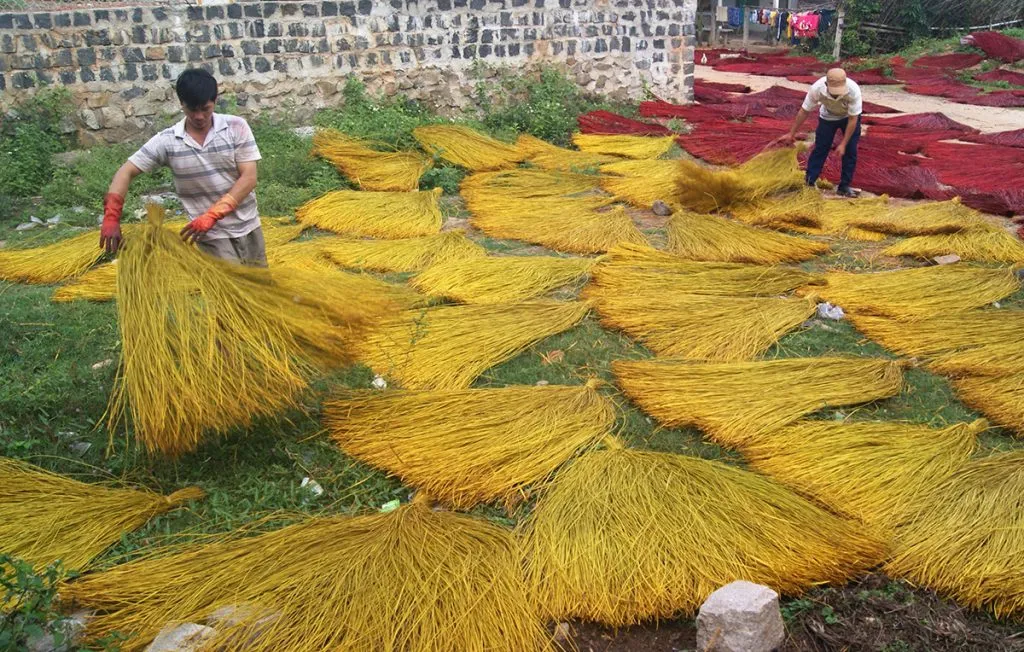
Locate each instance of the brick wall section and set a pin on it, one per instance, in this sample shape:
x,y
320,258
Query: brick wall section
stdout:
x,y
120,62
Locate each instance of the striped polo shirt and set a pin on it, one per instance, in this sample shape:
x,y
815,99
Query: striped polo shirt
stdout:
x,y
204,173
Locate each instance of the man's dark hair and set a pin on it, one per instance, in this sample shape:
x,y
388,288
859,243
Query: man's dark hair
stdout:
x,y
196,87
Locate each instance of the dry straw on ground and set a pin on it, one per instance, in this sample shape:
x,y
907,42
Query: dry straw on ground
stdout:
x,y
710,237
364,163
641,183
375,214
53,263
500,279
471,446
467,147
551,157
637,147
705,190
405,255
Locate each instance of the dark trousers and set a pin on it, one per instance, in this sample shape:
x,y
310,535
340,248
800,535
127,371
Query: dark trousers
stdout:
x,y
823,137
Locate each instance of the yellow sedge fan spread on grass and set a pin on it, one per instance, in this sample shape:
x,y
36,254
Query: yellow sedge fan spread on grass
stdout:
x,y
582,232
625,536
411,579
710,237
500,279
1000,398
965,539
551,157
369,168
494,205
641,183
929,218
944,332
870,471
448,347
638,147
52,263
45,517
405,255
995,246
277,232
375,214
472,446
208,345
838,216
700,326
800,209
632,268
97,284
467,147
910,294
995,359
523,183
705,189
737,402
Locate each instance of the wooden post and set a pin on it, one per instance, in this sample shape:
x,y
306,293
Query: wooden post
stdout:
x,y
714,23
840,18
746,25
771,30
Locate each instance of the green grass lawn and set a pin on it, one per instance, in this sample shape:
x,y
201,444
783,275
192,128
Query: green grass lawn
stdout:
x,y
58,363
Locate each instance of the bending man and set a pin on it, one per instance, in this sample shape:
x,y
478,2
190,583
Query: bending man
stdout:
x,y
839,103
213,160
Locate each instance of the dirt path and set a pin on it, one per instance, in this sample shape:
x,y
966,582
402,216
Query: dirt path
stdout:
x,y
980,117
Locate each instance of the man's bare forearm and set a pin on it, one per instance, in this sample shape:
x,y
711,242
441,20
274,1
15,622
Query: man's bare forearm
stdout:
x,y
801,117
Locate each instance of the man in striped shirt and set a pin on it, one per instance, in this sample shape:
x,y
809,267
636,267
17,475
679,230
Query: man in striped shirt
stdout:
x,y
213,159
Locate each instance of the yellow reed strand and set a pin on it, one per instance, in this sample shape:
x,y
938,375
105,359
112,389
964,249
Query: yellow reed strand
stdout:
x,y
1000,398
303,253
467,147
710,237
375,214
929,218
700,326
801,209
551,157
965,539
631,268
405,255
641,183
993,359
495,204
837,216
995,246
705,189
208,345
448,347
522,183
625,536
411,579
279,232
581,231
48,517
870,471
638,147
336,288
737,402
97,284
369,168
912,294
500,279
943,332
456,446
53,263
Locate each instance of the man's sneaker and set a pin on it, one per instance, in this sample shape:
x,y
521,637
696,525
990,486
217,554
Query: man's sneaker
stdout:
x,y
846,192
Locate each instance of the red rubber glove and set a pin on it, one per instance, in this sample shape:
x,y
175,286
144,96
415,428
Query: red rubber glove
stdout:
x,y
110,229
205,222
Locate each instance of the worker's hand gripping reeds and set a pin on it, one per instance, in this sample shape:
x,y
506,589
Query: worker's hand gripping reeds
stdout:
x,y
194,229
110,229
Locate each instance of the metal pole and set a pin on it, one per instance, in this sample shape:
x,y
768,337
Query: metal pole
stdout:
x,y
771,29
840,19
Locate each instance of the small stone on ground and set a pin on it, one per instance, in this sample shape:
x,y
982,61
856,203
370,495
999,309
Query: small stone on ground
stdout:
x,y
661,208
187,637
740,617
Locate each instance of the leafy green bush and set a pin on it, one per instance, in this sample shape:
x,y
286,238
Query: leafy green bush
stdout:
x,y
30,134
445,177
29,600
386,120
289,175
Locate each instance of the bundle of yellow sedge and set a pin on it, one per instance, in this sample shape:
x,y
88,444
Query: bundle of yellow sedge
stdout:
x,y
97,284
449,346
700,326
929,218
706,190
500,279
965,539
47,517
870,471
405,255
838,216
630,269
522,183
467,147
53,263
456,444
552,157
737,402
625,536
375,214
910,294
208,345
581,231
801,209
411,579
996,246
710,237
639,147
640,183
998,397
371,169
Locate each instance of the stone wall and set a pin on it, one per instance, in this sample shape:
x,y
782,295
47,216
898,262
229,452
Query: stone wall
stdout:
x,y
120,63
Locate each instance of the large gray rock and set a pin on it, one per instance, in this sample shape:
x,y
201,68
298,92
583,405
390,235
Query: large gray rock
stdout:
x,y
185,637
740,617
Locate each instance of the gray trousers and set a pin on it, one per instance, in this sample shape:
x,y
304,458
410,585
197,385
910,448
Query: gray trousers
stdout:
x,y
250,249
